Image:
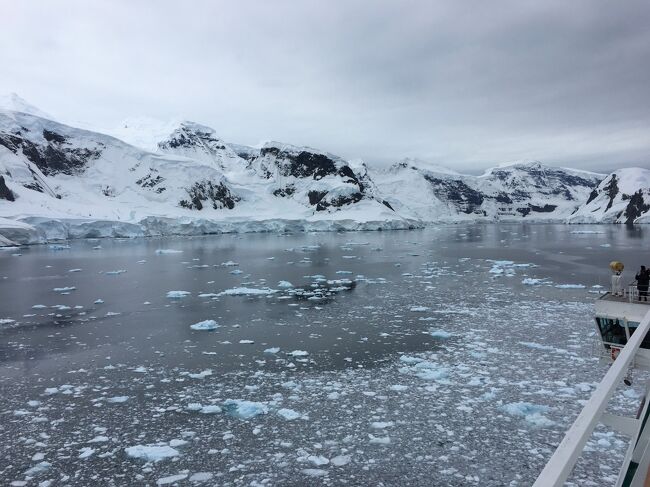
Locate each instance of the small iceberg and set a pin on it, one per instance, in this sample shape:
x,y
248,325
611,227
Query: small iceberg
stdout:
x,y
207,325
177,294
244,409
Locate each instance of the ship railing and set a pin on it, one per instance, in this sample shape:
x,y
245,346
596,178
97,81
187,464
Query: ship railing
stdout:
x,y
561,463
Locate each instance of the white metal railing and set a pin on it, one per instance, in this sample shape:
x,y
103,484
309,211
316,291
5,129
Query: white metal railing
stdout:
x,y
560,465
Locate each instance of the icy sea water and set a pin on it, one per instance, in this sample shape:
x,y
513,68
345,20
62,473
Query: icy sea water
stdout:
x,y
397,358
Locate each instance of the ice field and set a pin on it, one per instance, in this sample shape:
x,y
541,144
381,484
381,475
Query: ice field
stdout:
x,y
454,355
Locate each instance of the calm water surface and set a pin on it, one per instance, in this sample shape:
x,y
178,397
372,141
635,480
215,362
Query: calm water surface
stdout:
x,y
438,364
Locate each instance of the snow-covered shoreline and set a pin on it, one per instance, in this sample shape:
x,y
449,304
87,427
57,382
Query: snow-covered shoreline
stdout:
x,y
38,230
43,230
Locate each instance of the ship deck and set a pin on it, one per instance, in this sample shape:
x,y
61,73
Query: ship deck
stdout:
x,y
630,295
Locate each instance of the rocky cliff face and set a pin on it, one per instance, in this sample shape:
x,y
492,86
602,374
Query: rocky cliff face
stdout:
x,y
319,179
89,169
519,191
621,197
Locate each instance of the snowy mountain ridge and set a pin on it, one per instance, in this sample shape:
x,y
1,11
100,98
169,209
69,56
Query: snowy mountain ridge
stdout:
x,y
58,181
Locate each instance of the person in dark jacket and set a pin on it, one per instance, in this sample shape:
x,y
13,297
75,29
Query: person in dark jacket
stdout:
x,y
642,282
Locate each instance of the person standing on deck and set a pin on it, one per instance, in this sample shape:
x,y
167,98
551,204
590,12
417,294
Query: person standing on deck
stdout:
x,y
642,282
617,290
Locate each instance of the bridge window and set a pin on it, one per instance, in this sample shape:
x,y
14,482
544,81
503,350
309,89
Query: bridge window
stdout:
x,y
612,331
632,326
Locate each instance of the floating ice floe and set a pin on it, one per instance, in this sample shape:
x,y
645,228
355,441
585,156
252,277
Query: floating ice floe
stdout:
x,y
340,460
99,301
376,440
177,294
64,289
171,479
298,353
230,263
246,291
151,453
74,270
85,452
201,375
117,399
314,472
440,334
570,286
531,281
285,284
247,342
289,414
419,309
37,469
168,251
207,325
272,350
244,409
115,273
532,413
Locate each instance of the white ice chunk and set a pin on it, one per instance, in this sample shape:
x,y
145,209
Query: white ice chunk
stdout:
x,y
171,479
207,325
151,453
244,409
289,414
177,294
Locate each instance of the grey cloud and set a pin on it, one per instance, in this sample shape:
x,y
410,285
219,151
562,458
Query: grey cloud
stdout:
x,y
466,84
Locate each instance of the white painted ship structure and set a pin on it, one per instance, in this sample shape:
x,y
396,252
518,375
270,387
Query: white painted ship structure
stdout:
x,y
622,323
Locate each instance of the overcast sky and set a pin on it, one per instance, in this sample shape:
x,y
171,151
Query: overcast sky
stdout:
x,y
466,84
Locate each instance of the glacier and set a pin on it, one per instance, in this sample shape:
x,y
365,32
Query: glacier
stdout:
x,y
59,182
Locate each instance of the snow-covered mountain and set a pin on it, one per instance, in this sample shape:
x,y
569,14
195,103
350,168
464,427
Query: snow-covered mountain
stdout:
x,y
621,197
68,182
58,181
528,191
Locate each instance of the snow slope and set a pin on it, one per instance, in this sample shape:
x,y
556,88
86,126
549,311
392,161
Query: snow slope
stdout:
x,y
58,181
67,182
622,197
525,191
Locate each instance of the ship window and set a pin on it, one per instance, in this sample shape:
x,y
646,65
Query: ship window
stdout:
x,y
612,331
632,326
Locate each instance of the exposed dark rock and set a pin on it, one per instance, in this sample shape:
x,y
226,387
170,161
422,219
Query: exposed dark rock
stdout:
x,y
304,164
592,196
316,196
543,209
53,157
34,186
524,211
5,192
611,190
387,205
466,199
636,207
286,191
503,198
205,191
149,181
339,201
53,137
